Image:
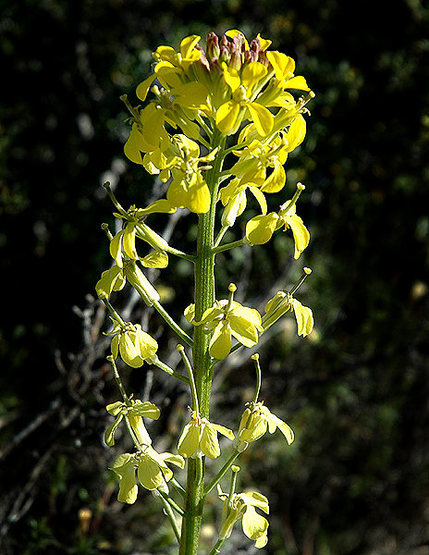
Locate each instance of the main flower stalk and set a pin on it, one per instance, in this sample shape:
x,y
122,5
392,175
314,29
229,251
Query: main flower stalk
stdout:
x,y
204,298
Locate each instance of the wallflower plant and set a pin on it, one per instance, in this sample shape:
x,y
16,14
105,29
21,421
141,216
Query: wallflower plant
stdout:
x,y
214,124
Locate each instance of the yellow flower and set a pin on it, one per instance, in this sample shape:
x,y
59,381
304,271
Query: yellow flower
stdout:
x,y
152,471
257,158
301,235
123,244
228,318
257,419
281,303
134,413
260,229
245,88
234,199
111,280
242,506
133,344
200,437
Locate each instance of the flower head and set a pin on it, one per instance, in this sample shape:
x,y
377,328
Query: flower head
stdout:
x,y
281,303
200,437
242,506
152,471
257,419
133,344
228,318
134,412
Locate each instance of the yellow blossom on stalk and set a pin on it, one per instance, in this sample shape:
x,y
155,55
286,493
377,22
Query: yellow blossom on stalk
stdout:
x,y
134,412
257,419
228,318
188,188
200,437
244,88
260,229
233,198
242,506
254,161
123,244
111,280
152,471
281,303
133,344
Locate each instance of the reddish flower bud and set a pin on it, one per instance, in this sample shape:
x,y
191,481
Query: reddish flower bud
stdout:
x,y
213,50
225,54
235,61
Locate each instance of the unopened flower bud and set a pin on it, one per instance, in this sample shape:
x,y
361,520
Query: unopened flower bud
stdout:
x,y
235,61
225,54
255,46
213,50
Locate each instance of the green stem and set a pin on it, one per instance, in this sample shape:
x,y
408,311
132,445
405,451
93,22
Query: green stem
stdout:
x,y
173,325
216,548
222,472
202,362
194,393
171,502
229,246
170,515
119,381
162,366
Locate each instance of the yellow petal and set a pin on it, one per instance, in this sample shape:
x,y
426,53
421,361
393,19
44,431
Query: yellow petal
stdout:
x,y
155,259
262,118
220,344
223,430
129,241
298,83
252,73
191,95
149,473
188,44
129,352
143,88
209,442
301,234
260,229
125,469
145,343
226,116
283,65
265,43
189,441
259,197
304,318
276,180
296,133
235,33
254,525
136,144
116,248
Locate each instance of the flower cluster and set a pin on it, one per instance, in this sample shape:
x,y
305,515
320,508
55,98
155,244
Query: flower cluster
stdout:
x,y
182,130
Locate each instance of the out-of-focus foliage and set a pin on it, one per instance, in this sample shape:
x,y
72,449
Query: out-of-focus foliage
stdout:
x,y
355,392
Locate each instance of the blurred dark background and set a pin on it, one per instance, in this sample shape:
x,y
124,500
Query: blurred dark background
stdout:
x,y
356,392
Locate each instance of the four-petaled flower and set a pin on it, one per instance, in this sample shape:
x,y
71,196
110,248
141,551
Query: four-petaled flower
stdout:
x,y
257,419
281,303
228,318
199,436
151,467
132,343
242,506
